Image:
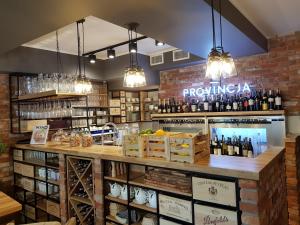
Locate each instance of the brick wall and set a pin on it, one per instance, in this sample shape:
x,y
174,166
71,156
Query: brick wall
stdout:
x,y
264,202
280,67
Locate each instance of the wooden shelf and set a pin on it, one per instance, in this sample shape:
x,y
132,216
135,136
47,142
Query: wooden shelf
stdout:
x,y
141,182
55,182
117,200
48,94
143,207
208,114
120,178
113,219
82,200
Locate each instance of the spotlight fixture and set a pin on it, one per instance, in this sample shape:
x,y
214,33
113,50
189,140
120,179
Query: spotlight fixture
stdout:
x,y
159,43
92,59
111,53
132,47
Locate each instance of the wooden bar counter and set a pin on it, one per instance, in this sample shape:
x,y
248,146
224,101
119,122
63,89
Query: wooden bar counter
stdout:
x,y
259,182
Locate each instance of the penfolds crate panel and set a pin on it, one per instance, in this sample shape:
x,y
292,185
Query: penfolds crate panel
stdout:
x,y
188,147
158,146
53,208
134,145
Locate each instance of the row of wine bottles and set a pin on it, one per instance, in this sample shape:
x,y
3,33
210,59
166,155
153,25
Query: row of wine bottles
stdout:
x,y
233,146
260,100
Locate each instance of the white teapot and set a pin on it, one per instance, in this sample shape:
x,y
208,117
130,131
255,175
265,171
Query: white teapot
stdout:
x,y
141,196
152,199
115,189
124,192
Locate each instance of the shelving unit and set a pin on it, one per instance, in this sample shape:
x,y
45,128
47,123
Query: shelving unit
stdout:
x,y
36,185
80,180
187,200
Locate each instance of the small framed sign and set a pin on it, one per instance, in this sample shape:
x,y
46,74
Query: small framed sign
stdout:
x,y
39,135
210,215
214,191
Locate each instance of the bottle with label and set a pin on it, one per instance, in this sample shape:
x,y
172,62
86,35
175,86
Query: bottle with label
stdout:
x,y
228,105
257,101
211,103
159,106
198,106
251,102
271,100
194,106
224,146
278,102
245,104
241,103
217,104
235,104
265,105
222,104
164,110
250,149
168,106
245,148
205,104
179,108
173,106
230,148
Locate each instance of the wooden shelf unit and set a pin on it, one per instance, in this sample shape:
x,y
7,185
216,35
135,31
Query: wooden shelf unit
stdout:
x,y
25,169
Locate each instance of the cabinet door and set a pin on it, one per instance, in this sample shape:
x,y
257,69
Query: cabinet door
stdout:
x,y
215,191
175,207
210,215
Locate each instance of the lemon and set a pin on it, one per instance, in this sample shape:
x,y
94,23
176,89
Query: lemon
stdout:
x,y
160,132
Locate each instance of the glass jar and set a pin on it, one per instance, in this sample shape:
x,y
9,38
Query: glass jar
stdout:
x,y
75,139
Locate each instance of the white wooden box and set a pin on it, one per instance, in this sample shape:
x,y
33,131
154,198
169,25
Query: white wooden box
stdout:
x,y
18,167
214,191
210,215
114,102
134,145
28,184
175,208
157,146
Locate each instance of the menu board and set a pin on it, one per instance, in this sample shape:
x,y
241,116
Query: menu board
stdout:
x,y
176,208
39,135
205,215
215,191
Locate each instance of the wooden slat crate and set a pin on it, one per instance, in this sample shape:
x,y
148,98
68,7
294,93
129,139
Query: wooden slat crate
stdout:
x,y
53,208
30,211
188,147
134,145
157,146
18,155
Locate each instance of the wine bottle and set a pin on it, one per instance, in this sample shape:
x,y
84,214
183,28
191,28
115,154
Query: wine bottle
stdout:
x,y
168,106
194,106
245,148
245,103
235,104
228,104
218,147
257,101
251,102
250,149
241,103
224,146
205,104
265,101
211,147
222,104
163,109
278,102
179,108
217,104
173,106
210,103
159,106
271,100
230,148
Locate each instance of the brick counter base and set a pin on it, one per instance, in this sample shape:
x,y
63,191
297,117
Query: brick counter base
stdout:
x,y
264,202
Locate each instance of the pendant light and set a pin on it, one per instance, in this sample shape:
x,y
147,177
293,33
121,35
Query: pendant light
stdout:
x,y
214,60
228,68
82,84
134,75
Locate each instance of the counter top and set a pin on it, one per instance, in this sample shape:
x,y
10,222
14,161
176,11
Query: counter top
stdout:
x,y
291,137
246,168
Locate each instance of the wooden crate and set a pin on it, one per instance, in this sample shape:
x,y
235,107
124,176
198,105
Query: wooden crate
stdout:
x,y
30,211
18,155
27,170
53,208
18,167
134,145
188,147
28,184
157,146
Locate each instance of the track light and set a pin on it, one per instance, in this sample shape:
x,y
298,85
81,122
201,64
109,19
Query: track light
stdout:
x,y
92,59
132,47
159,43
111,53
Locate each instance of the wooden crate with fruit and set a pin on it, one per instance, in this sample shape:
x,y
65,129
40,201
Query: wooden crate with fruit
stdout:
x,y
134,145
188,147
158,145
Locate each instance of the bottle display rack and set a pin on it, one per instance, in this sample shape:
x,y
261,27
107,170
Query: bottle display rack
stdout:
x,y
80,183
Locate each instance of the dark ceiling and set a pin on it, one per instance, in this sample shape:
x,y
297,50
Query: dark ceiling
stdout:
x,y
185,24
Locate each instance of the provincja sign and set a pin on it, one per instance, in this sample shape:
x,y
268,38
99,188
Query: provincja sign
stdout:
x,y
213,90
